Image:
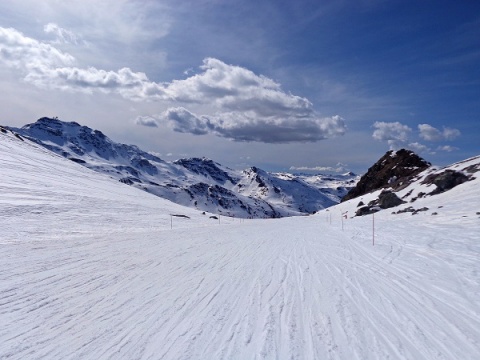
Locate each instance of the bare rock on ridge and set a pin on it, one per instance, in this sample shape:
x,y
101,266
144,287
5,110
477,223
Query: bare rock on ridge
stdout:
x,y
395,169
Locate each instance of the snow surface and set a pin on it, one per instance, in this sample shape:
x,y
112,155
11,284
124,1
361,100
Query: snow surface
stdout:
x,y
94,269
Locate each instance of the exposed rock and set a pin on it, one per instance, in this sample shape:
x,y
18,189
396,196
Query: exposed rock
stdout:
x,y
181,216
388,199
412,210
394,169
366,210
445,180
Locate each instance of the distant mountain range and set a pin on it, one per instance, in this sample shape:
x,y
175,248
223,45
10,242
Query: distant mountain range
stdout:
x,y
195,182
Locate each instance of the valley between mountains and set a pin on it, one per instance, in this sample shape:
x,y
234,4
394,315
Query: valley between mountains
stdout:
x,y
199,183
91,268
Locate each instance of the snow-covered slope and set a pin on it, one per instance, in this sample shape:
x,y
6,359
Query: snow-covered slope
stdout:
x,y
93,269
196,182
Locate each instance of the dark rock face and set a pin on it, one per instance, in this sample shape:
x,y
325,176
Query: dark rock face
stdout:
x,y
207,168
388,199
445,180
366,210
394,169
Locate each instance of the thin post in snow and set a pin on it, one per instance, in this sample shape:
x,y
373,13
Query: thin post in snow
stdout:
x,y
373,229
171,222
342,221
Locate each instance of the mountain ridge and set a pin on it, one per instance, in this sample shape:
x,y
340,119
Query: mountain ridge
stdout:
x,y
196,182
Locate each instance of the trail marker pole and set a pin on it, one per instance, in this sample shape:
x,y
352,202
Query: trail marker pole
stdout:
x,y
342,221
171,222
373,229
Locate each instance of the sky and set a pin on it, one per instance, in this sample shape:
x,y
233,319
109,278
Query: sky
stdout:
x,y
297,86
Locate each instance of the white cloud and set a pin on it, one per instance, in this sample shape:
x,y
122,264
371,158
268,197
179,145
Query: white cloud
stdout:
x,y
182,120
240,126
419,148
244,106
62,35
146,121
339,168
31,56
47,67
248,107
447,148
394,133
238,89
450,134
430,133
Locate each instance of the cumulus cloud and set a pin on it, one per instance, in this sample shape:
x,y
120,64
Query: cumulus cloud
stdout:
x,y
146,121
241,126
234,88
244,106
419,148
29,55
391,131
182,120
47,67
430,133
394,133
450,134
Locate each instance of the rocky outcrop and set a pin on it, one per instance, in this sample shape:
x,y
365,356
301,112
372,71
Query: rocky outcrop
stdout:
x,y
445,180
395,169
386,200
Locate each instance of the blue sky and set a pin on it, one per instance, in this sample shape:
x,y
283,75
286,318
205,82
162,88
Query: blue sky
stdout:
x,y
283,85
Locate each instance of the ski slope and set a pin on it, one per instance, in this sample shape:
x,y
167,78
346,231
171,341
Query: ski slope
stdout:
x,y
94,269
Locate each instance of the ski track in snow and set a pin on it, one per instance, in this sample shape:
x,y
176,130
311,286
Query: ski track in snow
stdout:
x,y
91,269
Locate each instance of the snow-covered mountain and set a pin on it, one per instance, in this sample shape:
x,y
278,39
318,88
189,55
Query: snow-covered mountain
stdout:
x,y
93,269
196,182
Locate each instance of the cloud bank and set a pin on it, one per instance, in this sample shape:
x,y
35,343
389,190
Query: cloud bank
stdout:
x,y
248,126
340,168
243,106
430,133
397,135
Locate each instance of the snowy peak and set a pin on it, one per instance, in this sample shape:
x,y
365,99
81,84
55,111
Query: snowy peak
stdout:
x,y
207,168
73,140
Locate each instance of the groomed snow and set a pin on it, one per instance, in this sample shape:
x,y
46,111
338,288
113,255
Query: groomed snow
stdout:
x,y
94,269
